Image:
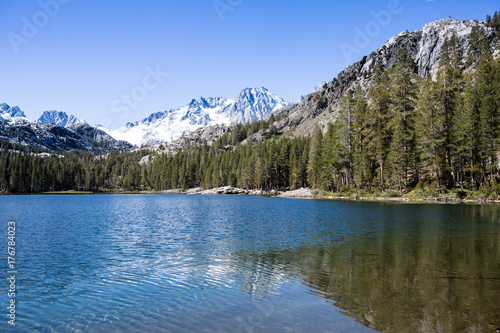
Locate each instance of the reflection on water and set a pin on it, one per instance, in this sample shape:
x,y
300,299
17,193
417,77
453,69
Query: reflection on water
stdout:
x,y
417,284
185,263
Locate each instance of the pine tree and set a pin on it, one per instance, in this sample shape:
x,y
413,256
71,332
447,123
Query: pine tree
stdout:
x,y
314,164
404,91
476,45
282,163
378,135
328,170
449,84
465,134
487,83
429,130
344,128
361,155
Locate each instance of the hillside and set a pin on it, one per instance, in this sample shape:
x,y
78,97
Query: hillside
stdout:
x,y
422,46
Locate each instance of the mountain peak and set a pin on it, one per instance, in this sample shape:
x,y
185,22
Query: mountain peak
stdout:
x,y
254,91
14,111
442,23
251,104
58,118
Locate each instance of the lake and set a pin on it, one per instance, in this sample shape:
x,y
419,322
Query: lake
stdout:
x,y
177,263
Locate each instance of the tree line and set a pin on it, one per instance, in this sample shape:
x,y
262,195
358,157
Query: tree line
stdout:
x,y
27,170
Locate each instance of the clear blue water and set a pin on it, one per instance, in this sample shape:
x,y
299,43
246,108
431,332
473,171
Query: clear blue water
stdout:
x,y
173,263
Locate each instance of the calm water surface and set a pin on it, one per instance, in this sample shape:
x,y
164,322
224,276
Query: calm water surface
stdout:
x,y
127,263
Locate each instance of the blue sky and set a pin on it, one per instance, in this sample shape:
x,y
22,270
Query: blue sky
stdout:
x,y
112,62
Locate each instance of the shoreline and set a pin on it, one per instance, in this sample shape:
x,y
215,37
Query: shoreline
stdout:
x,y
302,193
305,193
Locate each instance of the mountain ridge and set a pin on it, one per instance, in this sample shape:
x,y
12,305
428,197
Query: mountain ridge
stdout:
x,y
423,46
166,126
57,130
317,108
54,131
60,118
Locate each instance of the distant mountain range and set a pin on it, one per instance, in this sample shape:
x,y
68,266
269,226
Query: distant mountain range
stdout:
x,y
251,104
56,130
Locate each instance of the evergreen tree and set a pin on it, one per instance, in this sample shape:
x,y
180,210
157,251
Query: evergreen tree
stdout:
x,y
362,156
477,45
328,170
315,161
487,83
449,84
402,123
378,135
430,129
344,128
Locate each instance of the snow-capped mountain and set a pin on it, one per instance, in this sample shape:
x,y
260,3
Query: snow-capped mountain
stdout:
x,y
59,118
251,104
254,104
14,111
54,131
12,115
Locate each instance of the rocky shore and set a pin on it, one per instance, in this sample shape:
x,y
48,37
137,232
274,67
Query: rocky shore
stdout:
x,y
230,190
300,193
306,193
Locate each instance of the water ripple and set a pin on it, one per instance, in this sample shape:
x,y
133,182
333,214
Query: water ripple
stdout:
x,y
177,263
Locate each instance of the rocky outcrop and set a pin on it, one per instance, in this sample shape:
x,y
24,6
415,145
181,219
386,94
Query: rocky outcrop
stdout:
x,y
300,193
431,43
226,190
230,190
284,111
206,134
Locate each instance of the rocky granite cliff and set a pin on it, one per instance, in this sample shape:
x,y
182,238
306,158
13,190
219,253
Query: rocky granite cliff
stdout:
x,y
424,47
